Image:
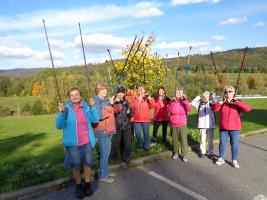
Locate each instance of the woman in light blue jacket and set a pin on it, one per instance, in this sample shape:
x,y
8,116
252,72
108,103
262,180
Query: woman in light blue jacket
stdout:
x,y
75,120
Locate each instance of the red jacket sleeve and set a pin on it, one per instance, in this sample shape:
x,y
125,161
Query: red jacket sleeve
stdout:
x,y
187,105
152,103
117,108
244,107
216,107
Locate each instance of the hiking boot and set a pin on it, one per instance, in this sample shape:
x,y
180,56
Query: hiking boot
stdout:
x,y
88,191
235,164
107,180
79,193
220,161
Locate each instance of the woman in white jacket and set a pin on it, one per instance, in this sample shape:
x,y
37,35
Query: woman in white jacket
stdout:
x,y
206,122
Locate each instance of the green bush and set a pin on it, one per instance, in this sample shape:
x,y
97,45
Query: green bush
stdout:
x,y
38,108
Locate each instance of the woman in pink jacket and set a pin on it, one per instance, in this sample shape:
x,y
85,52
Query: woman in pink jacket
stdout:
x,y
161,117
229,123
178,109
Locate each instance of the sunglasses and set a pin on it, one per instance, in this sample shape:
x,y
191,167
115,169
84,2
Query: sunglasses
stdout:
x,y
229,91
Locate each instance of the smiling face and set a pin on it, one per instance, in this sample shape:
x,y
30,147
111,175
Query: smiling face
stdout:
x,y
75,96
206,96
103,93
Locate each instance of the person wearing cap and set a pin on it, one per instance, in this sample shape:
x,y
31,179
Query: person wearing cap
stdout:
x,y
142,117
121,141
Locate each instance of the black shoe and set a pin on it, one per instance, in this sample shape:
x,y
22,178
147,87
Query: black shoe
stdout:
x,y
79,193
88,191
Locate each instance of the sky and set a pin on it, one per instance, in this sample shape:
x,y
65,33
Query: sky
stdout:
x,y
206,25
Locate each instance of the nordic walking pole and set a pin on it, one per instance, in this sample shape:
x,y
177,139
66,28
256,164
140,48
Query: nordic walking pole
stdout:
x,y
144,69
241,69
111,59
84,58
166,71
215,68
51,58
176,73
129,53
187,67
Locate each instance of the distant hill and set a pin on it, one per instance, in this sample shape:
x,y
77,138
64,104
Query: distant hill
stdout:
x,y
226,61
20,72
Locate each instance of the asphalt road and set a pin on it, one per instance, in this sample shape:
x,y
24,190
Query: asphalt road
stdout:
x,y
200,178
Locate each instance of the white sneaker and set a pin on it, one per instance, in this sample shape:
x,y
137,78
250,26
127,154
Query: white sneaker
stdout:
x,y
112,174
235,164
220,161
175,156
107,180
185,159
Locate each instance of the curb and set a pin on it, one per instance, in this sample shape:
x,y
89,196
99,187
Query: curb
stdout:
x,y
26,192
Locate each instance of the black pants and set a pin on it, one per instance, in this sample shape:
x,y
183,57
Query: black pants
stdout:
x,y
164,130
121,142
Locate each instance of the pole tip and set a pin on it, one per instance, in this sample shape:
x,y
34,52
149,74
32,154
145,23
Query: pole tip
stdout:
x,y
43,21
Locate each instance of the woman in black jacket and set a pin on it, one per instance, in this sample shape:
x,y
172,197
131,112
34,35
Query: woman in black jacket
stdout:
x,y
121,141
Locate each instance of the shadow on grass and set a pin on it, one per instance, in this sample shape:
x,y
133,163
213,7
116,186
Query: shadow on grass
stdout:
x,y
257,116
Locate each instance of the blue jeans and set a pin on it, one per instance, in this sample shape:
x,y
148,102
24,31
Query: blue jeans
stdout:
x,y
104,147
139,126
234,135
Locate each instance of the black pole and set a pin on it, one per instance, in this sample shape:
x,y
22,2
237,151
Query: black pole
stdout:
x,y
51,58
85,64
129,53
241,69
215,68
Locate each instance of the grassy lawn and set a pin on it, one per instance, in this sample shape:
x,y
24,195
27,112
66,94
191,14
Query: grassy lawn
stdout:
x,y
31,151
14,101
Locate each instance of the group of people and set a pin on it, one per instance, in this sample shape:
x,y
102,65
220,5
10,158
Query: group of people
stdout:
x,y
112,122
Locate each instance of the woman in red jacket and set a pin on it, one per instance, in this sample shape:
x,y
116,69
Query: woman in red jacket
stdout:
x,y
229,123
142,117
161,117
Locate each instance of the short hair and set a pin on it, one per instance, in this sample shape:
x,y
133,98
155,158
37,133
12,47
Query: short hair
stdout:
x,y
100,86
74,88
228,87
206,92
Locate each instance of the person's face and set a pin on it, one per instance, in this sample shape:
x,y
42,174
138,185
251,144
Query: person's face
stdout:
x,y
141,90
161,92
179,93
75,96
206,97
229,94
103,93
120,95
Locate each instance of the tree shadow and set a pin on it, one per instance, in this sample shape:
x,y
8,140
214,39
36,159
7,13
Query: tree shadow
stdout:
x,y
257,116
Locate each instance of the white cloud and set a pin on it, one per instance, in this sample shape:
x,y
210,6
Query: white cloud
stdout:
x,y
233,20
183,2
60,43
217,49
20,52
84,15
218,37
182,45
98,43
259,24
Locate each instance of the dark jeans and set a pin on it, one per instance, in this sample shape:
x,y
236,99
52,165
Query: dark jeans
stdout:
x,y
234,135
139,127
164,130
121,142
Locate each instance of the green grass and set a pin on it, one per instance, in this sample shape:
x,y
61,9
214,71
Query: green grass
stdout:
x,y
31,151
14,101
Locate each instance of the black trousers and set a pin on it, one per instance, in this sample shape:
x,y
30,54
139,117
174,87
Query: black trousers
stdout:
x,y
164,130
121,143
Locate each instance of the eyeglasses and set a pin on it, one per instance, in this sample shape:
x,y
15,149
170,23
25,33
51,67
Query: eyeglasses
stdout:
x,y
229,91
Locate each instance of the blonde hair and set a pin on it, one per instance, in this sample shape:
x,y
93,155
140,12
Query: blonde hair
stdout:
x,y
100,86
228,87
